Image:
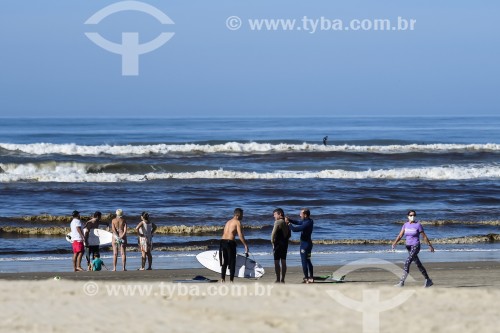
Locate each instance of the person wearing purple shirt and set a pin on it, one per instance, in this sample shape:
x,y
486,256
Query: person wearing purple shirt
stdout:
x,y
412,230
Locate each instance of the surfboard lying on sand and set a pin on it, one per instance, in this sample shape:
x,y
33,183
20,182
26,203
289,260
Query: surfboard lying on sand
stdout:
x,y
245,267
96,237
329,279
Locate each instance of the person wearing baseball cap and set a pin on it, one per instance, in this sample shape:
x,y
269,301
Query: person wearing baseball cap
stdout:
x,y
77,241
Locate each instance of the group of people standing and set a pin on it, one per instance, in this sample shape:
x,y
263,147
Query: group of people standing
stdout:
x,y
80,240
283,226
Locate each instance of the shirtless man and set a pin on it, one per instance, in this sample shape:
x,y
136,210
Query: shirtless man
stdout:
x,y
119,231
227,249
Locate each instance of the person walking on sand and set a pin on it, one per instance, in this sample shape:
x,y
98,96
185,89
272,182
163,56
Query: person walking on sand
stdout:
x,y
145,229
412,230
77,241
91,250
227,247
305,226
119,231
279,239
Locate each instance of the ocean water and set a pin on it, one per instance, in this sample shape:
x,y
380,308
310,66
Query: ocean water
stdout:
x,y
190,174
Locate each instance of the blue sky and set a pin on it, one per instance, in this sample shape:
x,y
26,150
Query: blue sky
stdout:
x,y
448,65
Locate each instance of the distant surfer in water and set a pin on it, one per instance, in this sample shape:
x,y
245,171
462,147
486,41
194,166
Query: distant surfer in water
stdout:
x,y
227,247
325,140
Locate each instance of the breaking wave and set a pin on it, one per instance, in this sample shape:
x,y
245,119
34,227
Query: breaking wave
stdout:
x,y
237,147
79,172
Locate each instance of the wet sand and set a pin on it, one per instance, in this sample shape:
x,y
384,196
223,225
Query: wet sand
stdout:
x,y
446,274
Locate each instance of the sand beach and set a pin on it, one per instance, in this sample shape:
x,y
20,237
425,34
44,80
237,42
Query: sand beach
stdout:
x,y
463,299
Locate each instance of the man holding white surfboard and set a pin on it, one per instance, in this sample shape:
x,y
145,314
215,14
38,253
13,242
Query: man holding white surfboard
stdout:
x,y
227,248
92,249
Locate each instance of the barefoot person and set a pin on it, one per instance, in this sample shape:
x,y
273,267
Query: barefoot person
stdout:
x,y
305,226
279,240
145,229
119,231
92,250
412,230
77,241
227,248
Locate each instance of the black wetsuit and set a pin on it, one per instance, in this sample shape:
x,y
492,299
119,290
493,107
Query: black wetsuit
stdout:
x,y
91,252
227,257
306,226
281,243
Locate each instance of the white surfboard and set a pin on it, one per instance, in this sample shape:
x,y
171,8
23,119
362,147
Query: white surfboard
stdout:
x,y
96,237
245,267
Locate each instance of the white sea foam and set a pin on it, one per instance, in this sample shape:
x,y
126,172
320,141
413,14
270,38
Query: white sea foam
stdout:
x,y
236,147
77,172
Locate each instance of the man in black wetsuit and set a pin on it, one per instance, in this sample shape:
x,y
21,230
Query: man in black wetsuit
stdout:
x,y
305,225
279,239
227,249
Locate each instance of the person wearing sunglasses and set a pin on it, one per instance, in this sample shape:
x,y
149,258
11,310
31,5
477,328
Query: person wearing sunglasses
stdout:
x,y
412,230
